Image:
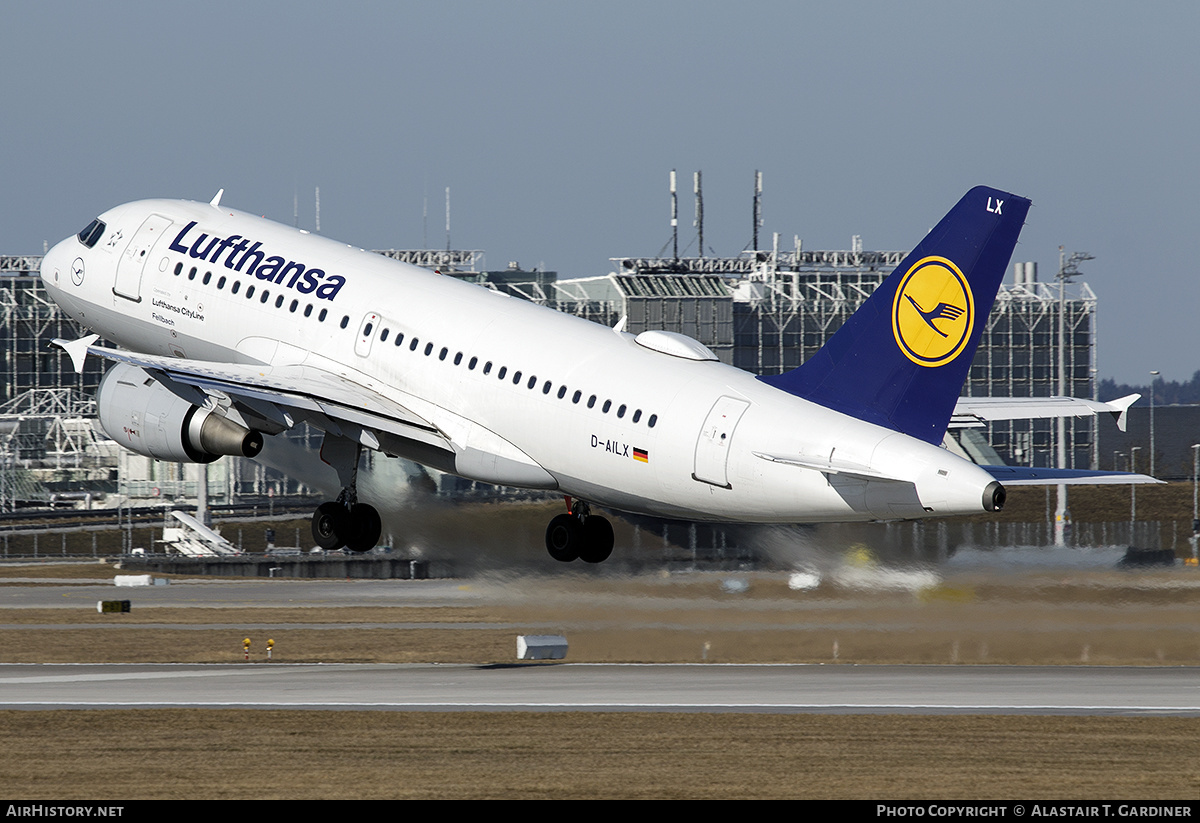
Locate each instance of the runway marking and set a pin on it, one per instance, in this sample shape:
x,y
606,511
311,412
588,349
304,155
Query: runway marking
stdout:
x,y
677,707
83,678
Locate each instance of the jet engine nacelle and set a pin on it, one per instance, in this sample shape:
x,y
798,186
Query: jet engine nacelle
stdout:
x,y
146,417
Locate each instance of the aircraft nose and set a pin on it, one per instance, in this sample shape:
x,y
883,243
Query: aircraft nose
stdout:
x,y
58,268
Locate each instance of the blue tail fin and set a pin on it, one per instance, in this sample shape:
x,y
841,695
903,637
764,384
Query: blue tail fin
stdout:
x,y
901,359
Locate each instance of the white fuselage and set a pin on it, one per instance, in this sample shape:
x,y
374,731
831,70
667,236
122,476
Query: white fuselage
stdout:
x,y
665,435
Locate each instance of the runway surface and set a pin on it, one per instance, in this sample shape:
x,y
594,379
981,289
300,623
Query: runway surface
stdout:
x,y
830,689
203,593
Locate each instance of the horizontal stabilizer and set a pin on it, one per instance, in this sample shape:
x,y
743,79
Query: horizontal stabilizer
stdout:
x,y
831,467
1024,476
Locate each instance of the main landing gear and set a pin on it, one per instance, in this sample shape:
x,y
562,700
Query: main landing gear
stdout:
x,y
579,534
345,522
355,526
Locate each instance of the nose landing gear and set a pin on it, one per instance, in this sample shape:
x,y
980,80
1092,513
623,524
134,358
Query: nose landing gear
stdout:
x,y
580,534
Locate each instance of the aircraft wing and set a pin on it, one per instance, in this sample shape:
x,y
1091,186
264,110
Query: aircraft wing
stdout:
x,y
284,393
1024,476
975,411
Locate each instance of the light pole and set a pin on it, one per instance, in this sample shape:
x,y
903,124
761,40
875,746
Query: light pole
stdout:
x,y
1153,375
1133,493
1195,497
1068,268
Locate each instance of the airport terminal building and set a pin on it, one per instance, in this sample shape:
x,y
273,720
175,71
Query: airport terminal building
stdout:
x,y
765,312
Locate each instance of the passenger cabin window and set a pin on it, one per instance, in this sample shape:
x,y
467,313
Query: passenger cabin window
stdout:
x,y
92,233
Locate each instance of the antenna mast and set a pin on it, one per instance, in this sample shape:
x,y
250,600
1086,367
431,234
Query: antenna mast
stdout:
x,y
757,207
674,217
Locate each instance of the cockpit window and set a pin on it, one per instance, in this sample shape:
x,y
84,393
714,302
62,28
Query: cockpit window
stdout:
x,y
93,232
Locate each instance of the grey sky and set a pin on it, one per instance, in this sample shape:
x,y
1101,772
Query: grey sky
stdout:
x,y
555,125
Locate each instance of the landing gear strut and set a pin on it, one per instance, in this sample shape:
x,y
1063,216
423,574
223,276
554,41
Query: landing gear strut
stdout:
x,y
345,522
580,534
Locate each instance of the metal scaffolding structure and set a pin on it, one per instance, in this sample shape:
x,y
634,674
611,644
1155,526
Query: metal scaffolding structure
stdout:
x,y
447,261
29,320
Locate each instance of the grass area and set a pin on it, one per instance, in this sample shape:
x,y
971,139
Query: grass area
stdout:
x,y
227,754
1027,617
1032,618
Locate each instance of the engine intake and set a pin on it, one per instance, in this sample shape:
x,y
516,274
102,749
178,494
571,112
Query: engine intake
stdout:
x,y
146,417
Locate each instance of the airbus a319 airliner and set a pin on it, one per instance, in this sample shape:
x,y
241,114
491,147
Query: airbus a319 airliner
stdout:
x,y
232,328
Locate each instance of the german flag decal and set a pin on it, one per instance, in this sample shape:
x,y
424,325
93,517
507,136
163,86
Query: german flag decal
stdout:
x,y
641,454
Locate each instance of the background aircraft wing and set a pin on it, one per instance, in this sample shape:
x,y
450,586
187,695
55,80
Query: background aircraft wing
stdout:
x,y
975,411
1024,476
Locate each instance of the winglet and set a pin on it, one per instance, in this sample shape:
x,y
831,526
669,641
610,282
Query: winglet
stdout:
x,y
77,349
216,201
1120,408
